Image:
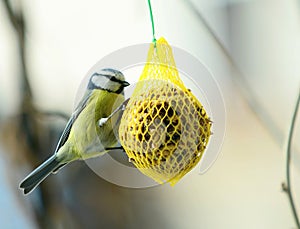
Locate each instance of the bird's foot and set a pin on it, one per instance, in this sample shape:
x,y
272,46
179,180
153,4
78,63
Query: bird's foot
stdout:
x,y
102,121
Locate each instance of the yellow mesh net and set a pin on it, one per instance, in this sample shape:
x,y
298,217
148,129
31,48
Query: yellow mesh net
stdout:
x,y
164,128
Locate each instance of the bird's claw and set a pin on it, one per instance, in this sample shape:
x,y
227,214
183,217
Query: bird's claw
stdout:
x,y
102,121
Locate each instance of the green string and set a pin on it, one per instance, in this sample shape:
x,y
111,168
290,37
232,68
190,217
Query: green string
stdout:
x,y
152,22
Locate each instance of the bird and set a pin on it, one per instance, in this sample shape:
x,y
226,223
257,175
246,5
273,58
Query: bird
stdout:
x,y
83,136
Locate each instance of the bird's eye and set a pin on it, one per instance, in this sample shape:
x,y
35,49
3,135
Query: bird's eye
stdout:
x,y
114,79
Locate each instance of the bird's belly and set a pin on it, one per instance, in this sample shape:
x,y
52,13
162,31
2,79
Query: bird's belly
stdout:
x,y
91,140
89,145
92,150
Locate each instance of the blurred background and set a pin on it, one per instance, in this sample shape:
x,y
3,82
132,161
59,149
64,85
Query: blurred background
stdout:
x,y
251,47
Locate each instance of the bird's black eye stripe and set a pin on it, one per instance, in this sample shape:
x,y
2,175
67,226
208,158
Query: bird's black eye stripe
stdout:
x,y
110,77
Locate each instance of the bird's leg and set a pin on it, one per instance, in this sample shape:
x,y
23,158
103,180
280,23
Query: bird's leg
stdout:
x,y
114,148
122,107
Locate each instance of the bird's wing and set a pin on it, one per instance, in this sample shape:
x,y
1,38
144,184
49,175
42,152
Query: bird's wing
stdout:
x,y
65,135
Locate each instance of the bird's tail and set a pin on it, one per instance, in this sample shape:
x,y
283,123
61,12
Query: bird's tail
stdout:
x,y
40,173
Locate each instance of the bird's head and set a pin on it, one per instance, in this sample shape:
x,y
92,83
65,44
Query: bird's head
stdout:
x,y
109,80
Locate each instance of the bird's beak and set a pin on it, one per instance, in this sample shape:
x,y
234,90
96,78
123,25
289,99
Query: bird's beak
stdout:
x,y
125,84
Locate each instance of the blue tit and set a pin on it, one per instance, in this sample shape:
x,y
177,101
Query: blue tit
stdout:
x,y
83,137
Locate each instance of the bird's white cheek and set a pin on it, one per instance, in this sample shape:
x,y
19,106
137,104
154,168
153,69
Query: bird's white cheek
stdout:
x,y
100,81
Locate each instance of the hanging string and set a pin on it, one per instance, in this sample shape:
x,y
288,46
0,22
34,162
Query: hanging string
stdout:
x,y
287,187
152,22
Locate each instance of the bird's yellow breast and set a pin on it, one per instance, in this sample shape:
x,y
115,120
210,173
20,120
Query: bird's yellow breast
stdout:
x,y
87,138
